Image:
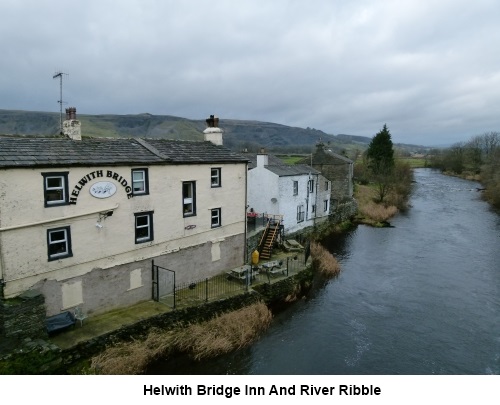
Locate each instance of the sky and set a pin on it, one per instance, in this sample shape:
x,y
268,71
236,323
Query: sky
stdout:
x,y
429,70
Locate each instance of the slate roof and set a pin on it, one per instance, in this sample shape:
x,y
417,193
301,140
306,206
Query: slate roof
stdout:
x,y
61,152
252,157
180,152
278,167
291,170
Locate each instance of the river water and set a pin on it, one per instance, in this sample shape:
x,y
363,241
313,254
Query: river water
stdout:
x,y
421,297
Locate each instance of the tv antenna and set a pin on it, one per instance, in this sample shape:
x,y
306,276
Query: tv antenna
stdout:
x,y
60,101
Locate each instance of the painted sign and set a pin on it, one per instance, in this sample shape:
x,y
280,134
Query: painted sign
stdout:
x,y
102,189
100,174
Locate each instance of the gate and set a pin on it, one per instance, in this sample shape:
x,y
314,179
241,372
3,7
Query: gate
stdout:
x,y
163,285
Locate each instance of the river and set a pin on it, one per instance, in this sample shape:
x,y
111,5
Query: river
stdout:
x,y
421,297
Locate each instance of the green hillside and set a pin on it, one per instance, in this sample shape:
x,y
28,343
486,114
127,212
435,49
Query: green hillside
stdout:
x,y
238,134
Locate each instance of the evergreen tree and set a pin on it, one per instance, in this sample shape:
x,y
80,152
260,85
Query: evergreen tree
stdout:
x,y
380,153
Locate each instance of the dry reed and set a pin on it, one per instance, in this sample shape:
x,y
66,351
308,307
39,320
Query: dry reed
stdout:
x,y
323,261
223,334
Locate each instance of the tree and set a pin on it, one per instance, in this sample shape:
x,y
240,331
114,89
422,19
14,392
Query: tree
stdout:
x,y
380,153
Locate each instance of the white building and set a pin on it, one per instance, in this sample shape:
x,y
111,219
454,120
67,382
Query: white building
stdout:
x,y
82,220
297,192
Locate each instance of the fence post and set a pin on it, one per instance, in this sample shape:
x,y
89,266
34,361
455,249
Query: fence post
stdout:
x,y
206,289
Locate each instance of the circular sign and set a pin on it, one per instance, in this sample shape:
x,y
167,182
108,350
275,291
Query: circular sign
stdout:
x,y
102,189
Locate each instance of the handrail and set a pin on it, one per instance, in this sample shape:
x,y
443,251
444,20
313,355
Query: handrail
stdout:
x,y
264,235
279,218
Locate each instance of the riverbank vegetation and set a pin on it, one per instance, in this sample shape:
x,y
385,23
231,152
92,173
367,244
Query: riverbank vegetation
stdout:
x,y
478,159
220,335
383,183
323,262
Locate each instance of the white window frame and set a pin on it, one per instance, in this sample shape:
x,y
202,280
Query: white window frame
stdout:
x,y
300,213
62,188
215,213
140,181
64,241
189,201
215,177
149,226
295,187
310,184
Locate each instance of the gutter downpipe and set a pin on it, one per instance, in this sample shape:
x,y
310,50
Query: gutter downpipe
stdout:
x,y
245,251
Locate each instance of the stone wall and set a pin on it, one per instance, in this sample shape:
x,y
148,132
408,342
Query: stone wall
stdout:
x,y
166,321
21,319
40,357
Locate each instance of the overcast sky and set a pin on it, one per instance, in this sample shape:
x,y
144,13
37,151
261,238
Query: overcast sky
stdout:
x,y
430,70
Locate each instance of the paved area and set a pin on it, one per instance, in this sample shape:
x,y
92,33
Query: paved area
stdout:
x,y
101,324
97,325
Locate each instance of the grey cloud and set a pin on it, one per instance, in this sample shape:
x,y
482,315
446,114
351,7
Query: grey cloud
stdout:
x,y
429,70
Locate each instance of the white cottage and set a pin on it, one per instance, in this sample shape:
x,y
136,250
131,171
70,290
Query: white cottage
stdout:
x,y
82,219
297,192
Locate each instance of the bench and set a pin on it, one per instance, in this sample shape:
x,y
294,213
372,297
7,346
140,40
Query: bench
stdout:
x,y
59,322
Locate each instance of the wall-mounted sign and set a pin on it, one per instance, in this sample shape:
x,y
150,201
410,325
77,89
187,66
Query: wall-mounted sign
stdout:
x,y
100,174
102,189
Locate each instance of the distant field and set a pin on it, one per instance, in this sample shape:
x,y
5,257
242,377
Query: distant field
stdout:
x,y
291,159
414,162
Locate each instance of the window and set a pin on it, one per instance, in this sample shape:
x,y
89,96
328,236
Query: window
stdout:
x,y
140,182
59,243
143,227
215,179
295,187
216,217
311,186
313,208
327,185
300,213
55,188
189,198
325,205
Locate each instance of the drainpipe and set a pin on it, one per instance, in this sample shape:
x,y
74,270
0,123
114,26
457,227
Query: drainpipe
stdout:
x,y
2,281
245,251
316,200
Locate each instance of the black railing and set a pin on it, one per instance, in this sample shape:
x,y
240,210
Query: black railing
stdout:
x,y
194,293
197,292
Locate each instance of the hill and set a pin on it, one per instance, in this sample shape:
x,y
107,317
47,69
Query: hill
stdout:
x,y
238,134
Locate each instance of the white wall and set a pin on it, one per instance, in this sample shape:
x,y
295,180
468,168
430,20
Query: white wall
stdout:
x,y
23,251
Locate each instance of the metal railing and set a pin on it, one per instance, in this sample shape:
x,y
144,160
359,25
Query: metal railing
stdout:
x,y
198,292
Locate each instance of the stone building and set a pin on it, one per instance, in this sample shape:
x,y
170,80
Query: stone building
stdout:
x,y
82,219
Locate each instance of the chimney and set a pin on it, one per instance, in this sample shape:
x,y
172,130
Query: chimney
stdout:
x,y
213,133
72,128
262,158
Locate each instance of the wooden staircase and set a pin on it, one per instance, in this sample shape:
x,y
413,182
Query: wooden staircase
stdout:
x,y
269,236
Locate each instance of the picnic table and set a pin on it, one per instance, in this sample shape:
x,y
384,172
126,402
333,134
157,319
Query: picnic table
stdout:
x,y
240,273
274,266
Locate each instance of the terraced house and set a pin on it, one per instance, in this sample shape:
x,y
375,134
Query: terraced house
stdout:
x,y
82,219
